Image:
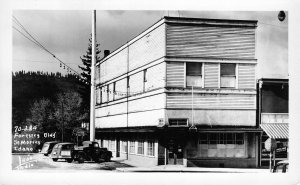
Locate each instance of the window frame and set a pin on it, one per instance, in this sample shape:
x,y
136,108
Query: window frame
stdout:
x,y
228,75
132,147
142,147
201,75
151,146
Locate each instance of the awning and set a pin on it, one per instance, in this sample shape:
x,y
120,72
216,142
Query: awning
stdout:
x,y
276,130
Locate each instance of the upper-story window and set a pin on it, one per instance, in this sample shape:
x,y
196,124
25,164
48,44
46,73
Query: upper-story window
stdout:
x,y
193,74
145,77
228,76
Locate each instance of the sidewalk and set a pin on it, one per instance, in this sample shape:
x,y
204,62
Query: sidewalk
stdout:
x,y
183,169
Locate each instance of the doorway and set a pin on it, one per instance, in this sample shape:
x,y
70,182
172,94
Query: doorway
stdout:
x,y
175,152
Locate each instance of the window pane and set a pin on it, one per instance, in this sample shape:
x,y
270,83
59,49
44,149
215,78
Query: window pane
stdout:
x,y
140,147
227,69
213,138
132,147
193,69
195,81
203,138
150,148
230,138
227,81
177,122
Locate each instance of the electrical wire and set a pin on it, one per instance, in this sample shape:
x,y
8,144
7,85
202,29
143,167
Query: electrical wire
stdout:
x,y
36,42
272,25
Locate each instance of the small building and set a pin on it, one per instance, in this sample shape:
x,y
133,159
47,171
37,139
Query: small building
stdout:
x,y
273,111
182,92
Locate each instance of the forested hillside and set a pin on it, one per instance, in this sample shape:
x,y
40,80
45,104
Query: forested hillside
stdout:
x,y
49,101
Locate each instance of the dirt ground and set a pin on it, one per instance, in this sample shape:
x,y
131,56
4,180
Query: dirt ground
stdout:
x,y
39,161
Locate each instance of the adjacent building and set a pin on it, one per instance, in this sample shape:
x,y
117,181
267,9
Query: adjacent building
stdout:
x,y
273,116
182,92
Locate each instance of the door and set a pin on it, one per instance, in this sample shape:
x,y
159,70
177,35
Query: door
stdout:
x,y
175,152
118,148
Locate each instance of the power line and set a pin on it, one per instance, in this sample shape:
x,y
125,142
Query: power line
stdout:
x,y
35,41
39,61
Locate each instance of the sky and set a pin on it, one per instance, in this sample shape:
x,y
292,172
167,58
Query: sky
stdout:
x,y
66,32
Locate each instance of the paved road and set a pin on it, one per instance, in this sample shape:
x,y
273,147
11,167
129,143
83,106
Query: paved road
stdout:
x,y
39,161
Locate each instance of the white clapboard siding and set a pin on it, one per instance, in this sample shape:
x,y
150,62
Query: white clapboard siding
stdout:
x,y
175,74
246,76
148,48
211,101
210,41
211,75
156,75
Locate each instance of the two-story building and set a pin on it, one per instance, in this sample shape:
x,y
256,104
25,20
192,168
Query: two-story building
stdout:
x,y
181,92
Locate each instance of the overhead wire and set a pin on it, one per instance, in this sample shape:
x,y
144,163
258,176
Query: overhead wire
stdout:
x,y
36,42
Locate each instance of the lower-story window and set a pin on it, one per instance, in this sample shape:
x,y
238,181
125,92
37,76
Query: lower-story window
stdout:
x,y
111,145
124,146
132,147
150,148
140,147
222,145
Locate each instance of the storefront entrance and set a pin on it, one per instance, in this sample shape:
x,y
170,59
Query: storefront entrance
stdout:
x,y
175,152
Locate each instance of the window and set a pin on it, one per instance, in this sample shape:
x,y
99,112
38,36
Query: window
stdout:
x,y
124,146
107,91
221,138
132,147
145,80
114,90
193,74
150,148
178,122
111,145
203,138
228,76
140,147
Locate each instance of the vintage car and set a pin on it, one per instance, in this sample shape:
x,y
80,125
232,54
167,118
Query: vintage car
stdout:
x,y
62,151
281,167
90,151
47,147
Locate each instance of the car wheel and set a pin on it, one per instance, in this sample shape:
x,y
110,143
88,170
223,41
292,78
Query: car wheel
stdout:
x,y
107,159
80,158
69,160
54,159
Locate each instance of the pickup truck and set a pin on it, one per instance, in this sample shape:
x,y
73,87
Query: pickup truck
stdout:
x,y
90,151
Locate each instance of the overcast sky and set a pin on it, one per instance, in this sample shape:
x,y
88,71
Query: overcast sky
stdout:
x,y
66,34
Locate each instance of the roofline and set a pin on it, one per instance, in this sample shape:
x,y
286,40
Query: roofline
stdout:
x,y
274,80
182,20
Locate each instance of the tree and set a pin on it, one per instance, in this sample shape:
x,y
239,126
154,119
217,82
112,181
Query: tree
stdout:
x,y
42,115
86,75
68,113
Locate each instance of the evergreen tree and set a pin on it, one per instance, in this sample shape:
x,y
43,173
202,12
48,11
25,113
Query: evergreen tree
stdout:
x,y
85,91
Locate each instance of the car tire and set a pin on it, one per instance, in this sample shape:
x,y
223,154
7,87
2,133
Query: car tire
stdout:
x,y
69,160
80,158
54,159
107,159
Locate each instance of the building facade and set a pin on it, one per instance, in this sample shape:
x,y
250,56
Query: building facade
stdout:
x,y
273,111
182,92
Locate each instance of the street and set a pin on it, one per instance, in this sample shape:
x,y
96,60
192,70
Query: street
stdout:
x,y
41,162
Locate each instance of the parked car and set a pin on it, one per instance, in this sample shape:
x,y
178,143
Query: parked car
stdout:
x,y
281,167
90,151
47,147
62,151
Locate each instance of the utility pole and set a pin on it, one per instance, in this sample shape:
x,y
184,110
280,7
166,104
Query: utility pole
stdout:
x,y
92,103
62,121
